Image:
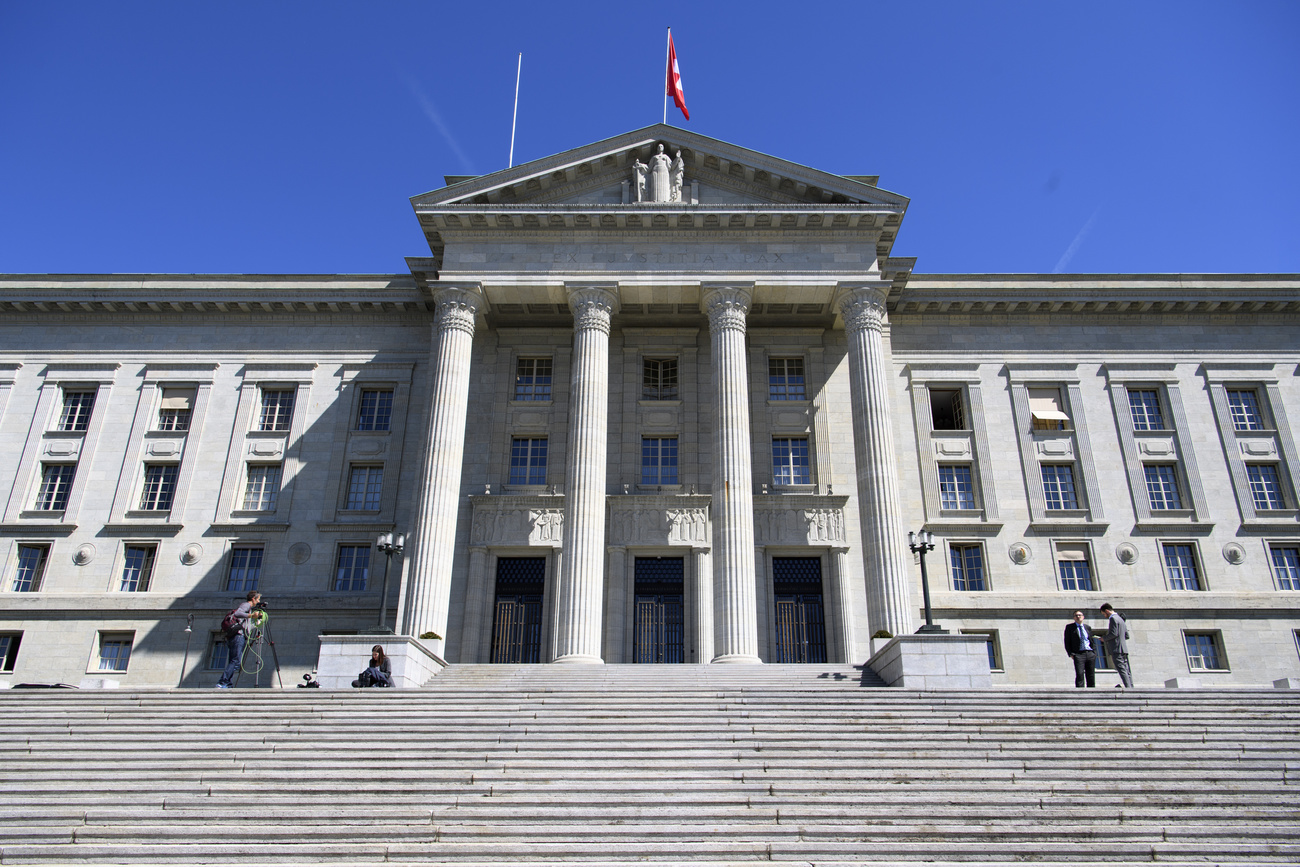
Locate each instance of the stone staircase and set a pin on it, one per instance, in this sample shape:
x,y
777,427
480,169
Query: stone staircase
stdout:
x,y
670,764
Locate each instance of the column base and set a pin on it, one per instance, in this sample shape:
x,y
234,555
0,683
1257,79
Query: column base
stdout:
x,y
578,659
736,658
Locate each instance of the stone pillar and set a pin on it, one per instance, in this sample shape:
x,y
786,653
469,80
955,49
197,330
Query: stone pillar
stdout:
x,y
616,608
581,585
476,595
843,597
735,619
703,604
439,499
884,555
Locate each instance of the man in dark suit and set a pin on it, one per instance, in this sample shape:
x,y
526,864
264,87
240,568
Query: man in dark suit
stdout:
x,y
1078,643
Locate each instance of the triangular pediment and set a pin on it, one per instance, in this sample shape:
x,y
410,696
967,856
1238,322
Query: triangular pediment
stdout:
x,y
716,175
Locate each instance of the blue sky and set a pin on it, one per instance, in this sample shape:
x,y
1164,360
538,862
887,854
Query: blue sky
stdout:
x,y
286,137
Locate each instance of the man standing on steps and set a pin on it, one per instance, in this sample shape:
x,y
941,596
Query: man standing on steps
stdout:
x,y
244,616
1078,643
1116,638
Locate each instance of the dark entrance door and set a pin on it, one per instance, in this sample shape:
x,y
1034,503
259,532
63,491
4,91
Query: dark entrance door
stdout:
x,y
658,592
800,617
517,623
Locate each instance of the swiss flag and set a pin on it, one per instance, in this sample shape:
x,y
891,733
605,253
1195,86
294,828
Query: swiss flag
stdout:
x,y
675,79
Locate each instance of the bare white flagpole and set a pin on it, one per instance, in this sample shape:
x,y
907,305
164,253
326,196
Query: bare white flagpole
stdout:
x,y
667,72
515,118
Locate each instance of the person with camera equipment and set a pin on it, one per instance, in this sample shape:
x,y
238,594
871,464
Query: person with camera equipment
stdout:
x,y
380,673
237,625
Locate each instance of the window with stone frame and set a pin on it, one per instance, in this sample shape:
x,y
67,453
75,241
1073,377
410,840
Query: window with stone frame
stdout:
x,y
375,409
533,378
1265,486
659,461
1286,566
785,379
245,569
9,643
956,487
56,484
790,464
990,637
1045,410
947,409
1162,487
528,460
137,568
1058,487
77,407
659,379
967,562
1243,404
365,488
29,573
277,409
175,409
1182,569
1144,406
1205,650
218,651
351,569
159,487
1074,566
115,650
261,488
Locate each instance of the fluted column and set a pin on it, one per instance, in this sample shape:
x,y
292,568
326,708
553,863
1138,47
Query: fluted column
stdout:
x,y
884,555
579,595
703,605
843,596
429,575
735,618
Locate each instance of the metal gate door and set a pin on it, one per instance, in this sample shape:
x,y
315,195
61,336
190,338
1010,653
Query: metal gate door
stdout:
x,y
517,623
800,618
658,599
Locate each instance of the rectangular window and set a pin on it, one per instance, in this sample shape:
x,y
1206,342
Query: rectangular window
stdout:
x,y
955,488
967,567
376,410
245,569
1045,409
1181,568
1243,403
1074,568
1265,486
1205,651
353,568
219,655
114,651
533,379
1058,486
991,642
263,487
785,379
159,487
946,409
277,409
9,642
56,482
659,379
528,461
31,568
137,568
1162,487
659,460
365,485
175,408
76,410
790,461
1286,566
1144,403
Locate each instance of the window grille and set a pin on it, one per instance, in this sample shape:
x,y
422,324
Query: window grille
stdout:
x,y
1181,568
159,487
1144,403
137,568
365,487
352,569
56,483
263,487
956,490
1162,487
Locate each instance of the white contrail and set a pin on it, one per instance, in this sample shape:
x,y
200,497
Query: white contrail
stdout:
x,y
1076,243
432,113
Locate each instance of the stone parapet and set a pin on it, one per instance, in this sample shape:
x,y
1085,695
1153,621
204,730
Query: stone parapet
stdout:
x,y
933,662
343,657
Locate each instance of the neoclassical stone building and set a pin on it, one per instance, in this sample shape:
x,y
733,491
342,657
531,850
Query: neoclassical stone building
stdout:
x,y
659,399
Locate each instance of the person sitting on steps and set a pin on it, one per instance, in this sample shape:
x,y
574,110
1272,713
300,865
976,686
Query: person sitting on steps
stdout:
x,y
379,673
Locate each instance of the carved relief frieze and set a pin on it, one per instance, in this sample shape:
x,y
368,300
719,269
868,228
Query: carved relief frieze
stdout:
x,y
659,520
517,521
799,520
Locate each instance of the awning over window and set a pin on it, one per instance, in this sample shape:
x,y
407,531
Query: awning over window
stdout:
x,y
1045,404
177,398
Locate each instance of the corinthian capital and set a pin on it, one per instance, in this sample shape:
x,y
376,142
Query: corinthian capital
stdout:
x,y
863,306
592,307
727,307
456,307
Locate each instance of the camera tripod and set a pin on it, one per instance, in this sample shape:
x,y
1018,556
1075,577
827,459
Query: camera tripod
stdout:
x,y
261,632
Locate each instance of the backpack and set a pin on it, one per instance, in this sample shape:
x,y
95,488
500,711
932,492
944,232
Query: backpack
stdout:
x,y
229,624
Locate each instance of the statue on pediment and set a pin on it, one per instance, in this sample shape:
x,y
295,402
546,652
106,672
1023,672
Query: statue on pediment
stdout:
x,y
660,174
660,181
679,175
640,173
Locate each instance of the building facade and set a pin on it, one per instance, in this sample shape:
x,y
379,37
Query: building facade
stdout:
x,y
659,399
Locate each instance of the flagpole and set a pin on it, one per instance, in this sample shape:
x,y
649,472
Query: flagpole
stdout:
x,y
667,72
515,118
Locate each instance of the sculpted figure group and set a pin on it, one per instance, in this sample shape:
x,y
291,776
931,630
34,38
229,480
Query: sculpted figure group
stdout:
x,y
661,180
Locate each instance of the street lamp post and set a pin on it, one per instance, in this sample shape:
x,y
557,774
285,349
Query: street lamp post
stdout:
x,y
920,544
388,544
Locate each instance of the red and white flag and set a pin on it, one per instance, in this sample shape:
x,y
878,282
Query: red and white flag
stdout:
x,y
675,79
